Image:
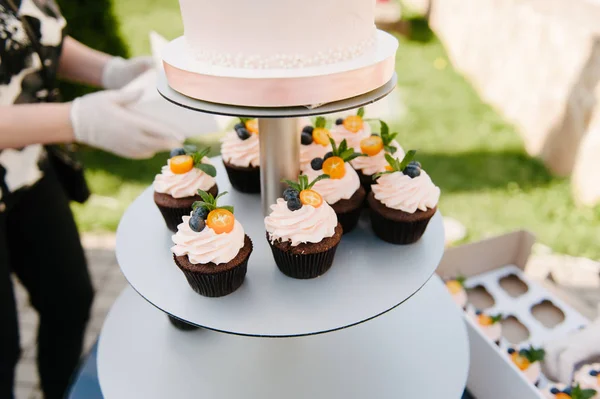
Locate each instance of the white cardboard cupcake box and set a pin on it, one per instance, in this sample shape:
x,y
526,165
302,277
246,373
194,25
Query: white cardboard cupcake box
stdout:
x,y
532,313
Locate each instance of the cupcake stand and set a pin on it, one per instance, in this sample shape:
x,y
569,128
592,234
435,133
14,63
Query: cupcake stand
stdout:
x,y
378,324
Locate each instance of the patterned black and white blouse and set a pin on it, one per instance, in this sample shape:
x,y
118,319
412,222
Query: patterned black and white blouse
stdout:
x,y
21,77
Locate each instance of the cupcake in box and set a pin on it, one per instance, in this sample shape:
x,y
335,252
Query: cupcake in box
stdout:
x,y
211,248
402,201
342,190
314,142
240,150
375,147
176,187
489,325
528,361
456,287
562,391
352,128
303,231
588,376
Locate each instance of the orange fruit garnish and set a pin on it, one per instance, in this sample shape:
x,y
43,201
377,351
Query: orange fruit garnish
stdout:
x,y
334,167
388,168
371,145
311,197
562,395
252,126
220,220
598,377
353,123
484,320
521,362
454,286
321,136
181,164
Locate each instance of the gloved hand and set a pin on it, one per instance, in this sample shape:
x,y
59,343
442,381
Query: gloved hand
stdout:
x,y
119,71
563,355
102,120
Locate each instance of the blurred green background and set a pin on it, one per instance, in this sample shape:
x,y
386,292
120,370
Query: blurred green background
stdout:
x,y
488,181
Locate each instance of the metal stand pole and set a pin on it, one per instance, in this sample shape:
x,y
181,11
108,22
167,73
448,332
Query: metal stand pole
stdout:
x,y
279,157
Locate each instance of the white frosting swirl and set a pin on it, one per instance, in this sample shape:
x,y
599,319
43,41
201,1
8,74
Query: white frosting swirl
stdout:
x,y
243,153
399,191
339,133
533,372
184,184
333,190
586,380
376,163
207,246
310,152
493,331
305,225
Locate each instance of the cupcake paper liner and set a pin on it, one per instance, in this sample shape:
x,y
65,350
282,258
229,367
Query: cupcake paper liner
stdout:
x,y
181,325
349,220
402,233
244,180
173,216
303,266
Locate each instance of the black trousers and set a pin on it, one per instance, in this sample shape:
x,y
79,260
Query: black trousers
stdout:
x,y
40,244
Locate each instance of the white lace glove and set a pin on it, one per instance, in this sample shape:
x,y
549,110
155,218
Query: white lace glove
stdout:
x,y
119,71
563,355
102,120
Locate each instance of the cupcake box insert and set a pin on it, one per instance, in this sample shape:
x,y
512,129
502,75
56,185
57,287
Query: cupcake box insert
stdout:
x,y
532,314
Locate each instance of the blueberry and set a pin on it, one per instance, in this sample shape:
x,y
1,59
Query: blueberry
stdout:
x,y
554,391
177,151
412,171
339,121
239,126
200,212
308,129
523,353
294,204
510,351
243,133
415,163
290,193
306,138
197,224
594,373
317,164
567,390
328,155
478,312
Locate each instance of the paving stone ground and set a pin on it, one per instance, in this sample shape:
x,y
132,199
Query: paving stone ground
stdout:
x,y
576,280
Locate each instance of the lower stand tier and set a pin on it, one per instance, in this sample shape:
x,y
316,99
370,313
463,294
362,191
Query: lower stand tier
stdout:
x,y
368,277
418,350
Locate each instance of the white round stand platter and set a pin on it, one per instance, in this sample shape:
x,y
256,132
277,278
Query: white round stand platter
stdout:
x,y
418,350
280,87
272,112
368,278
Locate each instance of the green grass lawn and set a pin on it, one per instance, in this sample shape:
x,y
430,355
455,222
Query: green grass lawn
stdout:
x,y
488,182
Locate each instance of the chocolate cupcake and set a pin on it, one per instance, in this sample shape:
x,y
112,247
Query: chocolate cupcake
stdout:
x,y
402,201
352,128
528,361
314,142
240,150
303,231
211,248
375,147
575,391
489,326
175,188
343,190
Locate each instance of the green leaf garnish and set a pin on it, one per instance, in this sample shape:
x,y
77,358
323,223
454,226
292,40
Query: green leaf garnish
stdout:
x,y
207,168
303,183
395,164
497,318
198,156
209,202
347,154
578,393
320,122
361,112
461,279
407,159
387,137
244,120
532,354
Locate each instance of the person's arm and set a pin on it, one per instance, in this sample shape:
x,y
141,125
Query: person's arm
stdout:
x,y
82,64
26,124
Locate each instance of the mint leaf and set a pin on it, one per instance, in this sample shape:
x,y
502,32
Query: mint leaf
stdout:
x,y
497,318
293,185
391,149
384,129
227,208
379,174
407,158
320,122
220,195
206,197
334,149
361,112
343,147
533,355
461,279
207,168
391,161
352,156
318,178
244,120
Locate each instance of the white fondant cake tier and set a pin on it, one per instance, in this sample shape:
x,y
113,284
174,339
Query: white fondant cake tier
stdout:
x,y
277,34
